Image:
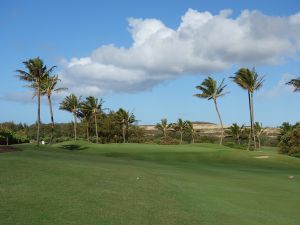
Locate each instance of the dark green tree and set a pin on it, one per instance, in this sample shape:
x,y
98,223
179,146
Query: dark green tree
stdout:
x,y
94,107
250,81
35,72
295,83
72,104
126,119
179,126
163,126
189,128
211,91
236,131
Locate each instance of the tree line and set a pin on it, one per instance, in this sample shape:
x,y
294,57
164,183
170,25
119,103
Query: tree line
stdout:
x,y
44,83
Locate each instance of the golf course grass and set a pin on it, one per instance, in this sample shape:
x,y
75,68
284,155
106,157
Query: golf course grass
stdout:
x,y
138,184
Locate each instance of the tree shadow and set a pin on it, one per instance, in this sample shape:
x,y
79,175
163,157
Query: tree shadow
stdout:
x,y
73,147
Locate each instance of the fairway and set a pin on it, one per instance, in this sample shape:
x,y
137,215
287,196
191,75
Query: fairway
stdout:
x,y
75,183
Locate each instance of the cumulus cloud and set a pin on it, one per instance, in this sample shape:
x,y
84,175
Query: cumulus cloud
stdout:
x,y
280,87
203,43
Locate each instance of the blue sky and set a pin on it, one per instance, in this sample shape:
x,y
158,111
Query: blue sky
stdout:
x,y
140,73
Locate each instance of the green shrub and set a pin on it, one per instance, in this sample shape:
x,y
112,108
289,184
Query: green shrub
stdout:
x,y
168,141
290,141
207,139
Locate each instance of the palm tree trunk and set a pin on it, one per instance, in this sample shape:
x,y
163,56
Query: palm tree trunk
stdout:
x,y
123,132
52,118
249,139
38,115
75,126
87,131
222,135
180,137
193,139
239,141
252,125
6,141
96,128
165,133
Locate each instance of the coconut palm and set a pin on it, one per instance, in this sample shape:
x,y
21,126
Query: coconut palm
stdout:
x,y
71,104
93,105
295,83
163,126
211,91
259,131
48,87
36,71
250,81
236,131
189,128
85,117
179,126
126,118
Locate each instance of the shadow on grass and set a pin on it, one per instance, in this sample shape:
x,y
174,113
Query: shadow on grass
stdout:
x,y
73,147
117,154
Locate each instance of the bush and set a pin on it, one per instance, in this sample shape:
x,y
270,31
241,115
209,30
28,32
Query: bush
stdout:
x,y
207,139
168,141
290,141
269,141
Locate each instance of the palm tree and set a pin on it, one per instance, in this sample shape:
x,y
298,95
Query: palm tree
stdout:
x,y
36,71
211,91
179,126
163,126
249,80
93,105
85,117
189,128
295,83
48,87
126,118
71,104
236,131
259,131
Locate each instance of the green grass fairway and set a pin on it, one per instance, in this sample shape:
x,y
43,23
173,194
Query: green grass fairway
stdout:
x,y
138,184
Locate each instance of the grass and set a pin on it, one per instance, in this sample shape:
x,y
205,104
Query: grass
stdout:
x,y
88,184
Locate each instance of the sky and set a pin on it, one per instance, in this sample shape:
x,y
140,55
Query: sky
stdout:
x,y
148,56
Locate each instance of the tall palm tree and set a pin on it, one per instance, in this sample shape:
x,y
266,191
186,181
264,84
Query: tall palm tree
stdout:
x,y
48,87
211,91
249,80
236,131
126,118
189,128
71,104
295,83
93,105
36,71
163,126
179,126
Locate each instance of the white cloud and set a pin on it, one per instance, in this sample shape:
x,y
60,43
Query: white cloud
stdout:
x,y
28,98
280,88
203,43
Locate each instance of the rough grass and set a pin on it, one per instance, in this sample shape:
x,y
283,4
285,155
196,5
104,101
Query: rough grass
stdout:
x,y
134,184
